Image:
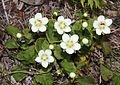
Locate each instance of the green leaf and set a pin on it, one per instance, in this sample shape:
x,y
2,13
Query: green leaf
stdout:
x,y
12,30
86,80
45,45
51,35
27,34
41,44
97,3
82,2
57,52
106,48
90,2
68,66
11,43
105,72
90,23
28,56
44,79
19,76
76,26
116,79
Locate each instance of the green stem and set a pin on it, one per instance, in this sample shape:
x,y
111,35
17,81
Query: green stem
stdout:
x,y
25,72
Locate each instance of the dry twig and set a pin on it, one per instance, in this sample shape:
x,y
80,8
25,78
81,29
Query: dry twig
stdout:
x,y
3,3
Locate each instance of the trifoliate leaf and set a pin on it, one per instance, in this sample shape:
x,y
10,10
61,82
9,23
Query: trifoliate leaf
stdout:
x,y
11,43
19,76
12,30
68,66
51,34
44,79
106,48
57,52
27,34
86,80
116,78
105,72
27,56
41,44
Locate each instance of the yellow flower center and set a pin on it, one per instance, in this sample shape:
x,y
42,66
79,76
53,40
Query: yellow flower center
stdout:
x,y
44,57
38,23
69,44
102,25
62,24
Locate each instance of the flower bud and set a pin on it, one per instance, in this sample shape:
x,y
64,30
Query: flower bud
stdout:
x,y
85,14
51,46
19,35
55,13
84,24
85,41
72,75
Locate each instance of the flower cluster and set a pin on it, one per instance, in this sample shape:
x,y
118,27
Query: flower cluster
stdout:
x,y
70,42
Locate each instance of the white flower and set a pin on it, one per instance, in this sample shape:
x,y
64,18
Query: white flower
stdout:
x,y
102,25
70,43
84,24
38,23
55,13
85,14
85,41
62,25
72,75
19,35
51,46
44,57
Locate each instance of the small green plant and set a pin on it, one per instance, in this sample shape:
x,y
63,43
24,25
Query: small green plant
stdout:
x,y
57,45
91,3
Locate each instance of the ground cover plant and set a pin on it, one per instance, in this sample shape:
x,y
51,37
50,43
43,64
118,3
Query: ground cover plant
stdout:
x,y
58,49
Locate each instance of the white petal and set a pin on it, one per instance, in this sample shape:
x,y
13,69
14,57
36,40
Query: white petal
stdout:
x,y
48,52
77,46
56,26
34,28
67,29
60,18
68,21
106,30
42,28
45,64
60,31
50,59
101,18
41,52
44,20
63,45
31,21
74,38
65,37
38,16
95,24
108,22
38,59
70,51
98,31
